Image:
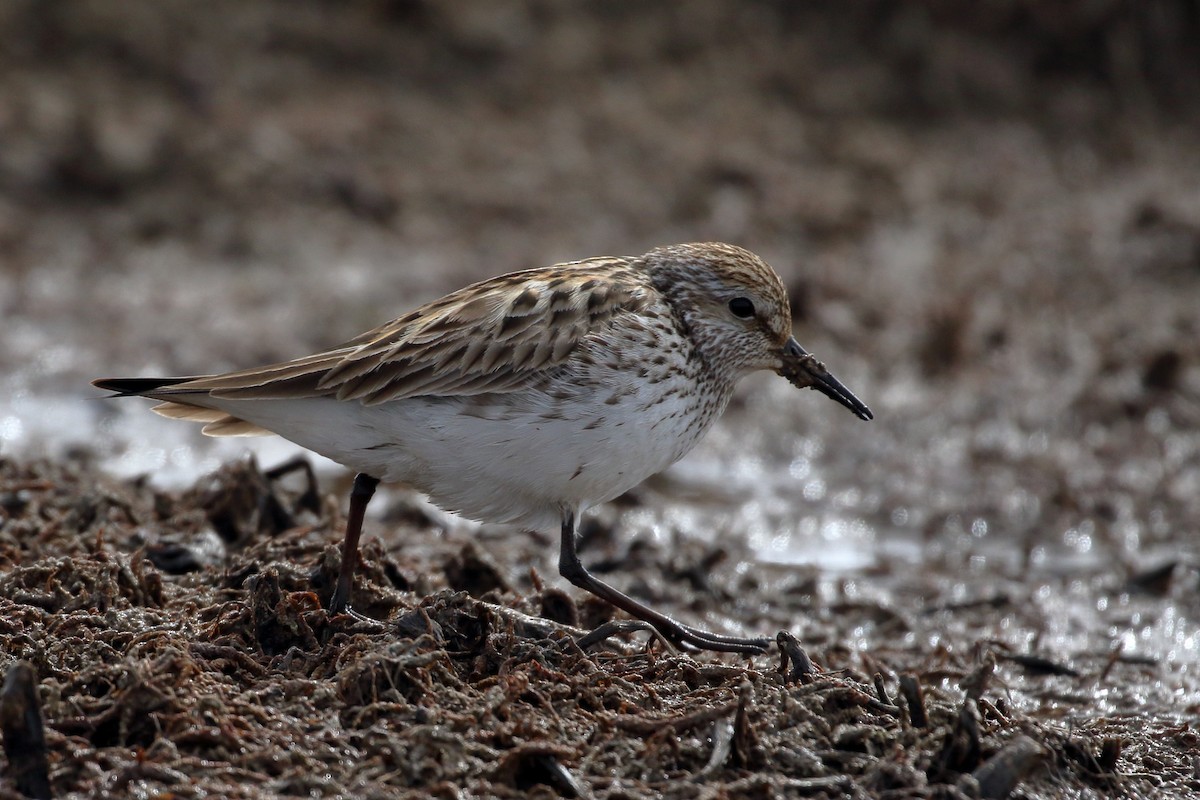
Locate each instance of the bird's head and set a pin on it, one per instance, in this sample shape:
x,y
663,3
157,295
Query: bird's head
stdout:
x,y
736,309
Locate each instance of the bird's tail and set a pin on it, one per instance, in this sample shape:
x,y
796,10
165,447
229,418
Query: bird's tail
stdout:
x,y
185,404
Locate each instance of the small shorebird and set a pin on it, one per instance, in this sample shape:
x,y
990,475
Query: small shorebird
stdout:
x,y
529,397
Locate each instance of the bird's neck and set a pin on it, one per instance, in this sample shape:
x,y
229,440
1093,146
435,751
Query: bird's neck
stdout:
x,y
677,284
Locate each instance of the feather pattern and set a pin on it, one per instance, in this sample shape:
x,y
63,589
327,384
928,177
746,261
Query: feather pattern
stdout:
x,y
489,337
592,343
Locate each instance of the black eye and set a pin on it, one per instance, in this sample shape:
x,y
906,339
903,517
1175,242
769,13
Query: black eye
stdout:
x,y
741,307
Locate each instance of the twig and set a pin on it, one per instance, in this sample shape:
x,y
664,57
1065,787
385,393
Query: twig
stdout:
x,y
24,733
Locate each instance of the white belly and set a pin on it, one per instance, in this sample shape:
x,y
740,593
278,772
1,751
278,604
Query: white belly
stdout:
x,y
519,458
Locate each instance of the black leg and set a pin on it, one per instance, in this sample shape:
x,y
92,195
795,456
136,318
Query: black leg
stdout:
x,y
360,495
311,499
571,568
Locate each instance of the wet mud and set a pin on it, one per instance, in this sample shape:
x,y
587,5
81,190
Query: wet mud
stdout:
x,y
191,675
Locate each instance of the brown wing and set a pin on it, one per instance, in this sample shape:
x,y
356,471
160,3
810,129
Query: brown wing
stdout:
x,y
487,337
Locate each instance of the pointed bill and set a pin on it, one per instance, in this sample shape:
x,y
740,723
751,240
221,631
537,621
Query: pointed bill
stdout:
x,y
804,371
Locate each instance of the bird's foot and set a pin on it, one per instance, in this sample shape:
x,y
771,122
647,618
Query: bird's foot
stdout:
x,y
679,634
676,634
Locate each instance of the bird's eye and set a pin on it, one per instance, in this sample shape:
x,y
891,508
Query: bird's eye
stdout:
x,y
741,307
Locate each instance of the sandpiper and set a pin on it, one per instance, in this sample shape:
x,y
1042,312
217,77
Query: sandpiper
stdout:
x,y
529,397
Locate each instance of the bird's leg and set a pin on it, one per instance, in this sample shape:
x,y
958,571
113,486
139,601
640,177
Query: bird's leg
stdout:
x,y
311,499
360,495
571,568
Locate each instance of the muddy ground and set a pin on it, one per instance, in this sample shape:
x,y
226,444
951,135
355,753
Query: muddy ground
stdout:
x,y
989,220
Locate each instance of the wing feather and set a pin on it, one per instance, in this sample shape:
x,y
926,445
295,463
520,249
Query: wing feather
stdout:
x,y
488,337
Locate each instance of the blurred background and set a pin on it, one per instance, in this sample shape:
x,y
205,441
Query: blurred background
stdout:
x,y
988,215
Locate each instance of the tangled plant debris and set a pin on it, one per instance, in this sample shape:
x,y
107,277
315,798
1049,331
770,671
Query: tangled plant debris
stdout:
x,y
230,679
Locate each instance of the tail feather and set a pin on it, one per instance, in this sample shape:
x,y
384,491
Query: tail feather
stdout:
x,y
216,422
232,426
173,410
132,387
